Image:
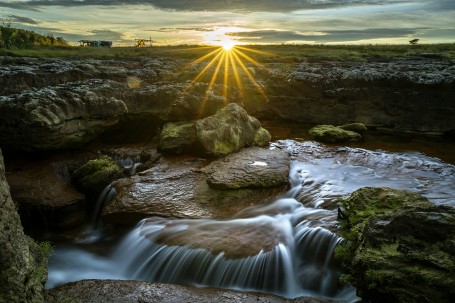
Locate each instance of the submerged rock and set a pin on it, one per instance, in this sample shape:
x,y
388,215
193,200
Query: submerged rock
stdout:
x,y
250,168
333,134
94,291
230,129
400,246
23,263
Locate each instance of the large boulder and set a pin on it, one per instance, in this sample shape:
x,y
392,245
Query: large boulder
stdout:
x,y
23,263
333,134
250,168
177,187
400,247
230,129
60,117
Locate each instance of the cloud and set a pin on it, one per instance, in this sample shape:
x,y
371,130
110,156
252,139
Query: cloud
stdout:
x,y
103,34
181,29
275,36
211,5
22,19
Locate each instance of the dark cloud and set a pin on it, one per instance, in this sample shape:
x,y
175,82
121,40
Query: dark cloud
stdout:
x,y
274,36
22,19
210,5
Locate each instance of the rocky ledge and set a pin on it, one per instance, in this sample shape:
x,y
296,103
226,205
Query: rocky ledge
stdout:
x,y
63,103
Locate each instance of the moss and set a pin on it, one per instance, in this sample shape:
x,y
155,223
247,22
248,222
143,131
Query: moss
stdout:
x,y
333,134
96,174
355,127
262,137
178,137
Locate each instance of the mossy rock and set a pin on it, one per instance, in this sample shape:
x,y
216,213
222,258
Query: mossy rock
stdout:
x,y
229,130
95,175
355,127
333,134
178,137
262,137
400,247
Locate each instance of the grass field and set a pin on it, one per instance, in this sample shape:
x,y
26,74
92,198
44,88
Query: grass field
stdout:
x,y
262,53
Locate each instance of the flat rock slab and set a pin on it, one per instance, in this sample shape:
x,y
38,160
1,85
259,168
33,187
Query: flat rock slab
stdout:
x,y
94,291
250,168
177,187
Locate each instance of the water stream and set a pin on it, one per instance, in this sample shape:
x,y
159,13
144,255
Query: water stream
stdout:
x,y
285,247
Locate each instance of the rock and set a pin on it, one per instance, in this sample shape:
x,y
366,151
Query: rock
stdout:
x,y
333,134
94,291
226,132
96,174
400,246
230,129
23,263
236,239
176,187
250,168
61,117
262,137
45,199
178,137
354,127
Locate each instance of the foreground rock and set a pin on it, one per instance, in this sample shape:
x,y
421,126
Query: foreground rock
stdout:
x,y
177,187
230,129
333,134
400,246
23,263
94,291
249,168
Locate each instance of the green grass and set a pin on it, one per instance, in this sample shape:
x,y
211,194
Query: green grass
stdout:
x,y
260,53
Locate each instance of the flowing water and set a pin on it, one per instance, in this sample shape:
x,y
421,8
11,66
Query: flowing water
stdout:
x,y
285,247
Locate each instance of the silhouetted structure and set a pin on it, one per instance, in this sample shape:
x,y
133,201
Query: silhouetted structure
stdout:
x,y
142,42
414,41
95,43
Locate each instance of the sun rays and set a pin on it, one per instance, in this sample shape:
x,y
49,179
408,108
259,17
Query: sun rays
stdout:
x,y
229,66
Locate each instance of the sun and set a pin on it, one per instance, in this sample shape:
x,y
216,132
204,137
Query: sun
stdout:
x,y
227,44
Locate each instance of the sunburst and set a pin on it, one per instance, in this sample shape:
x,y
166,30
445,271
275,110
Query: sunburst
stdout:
x,y
231,65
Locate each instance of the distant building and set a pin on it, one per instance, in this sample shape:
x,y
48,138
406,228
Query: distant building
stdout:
x,y
95,43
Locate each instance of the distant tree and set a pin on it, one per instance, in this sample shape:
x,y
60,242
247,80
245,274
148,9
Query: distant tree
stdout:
x,y
414,41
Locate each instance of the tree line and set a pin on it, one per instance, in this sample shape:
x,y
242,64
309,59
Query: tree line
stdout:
x,y
11,37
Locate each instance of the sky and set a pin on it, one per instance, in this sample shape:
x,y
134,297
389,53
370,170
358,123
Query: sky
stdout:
x,y
168,22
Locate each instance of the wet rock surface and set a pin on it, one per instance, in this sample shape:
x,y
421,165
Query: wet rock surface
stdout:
x,y
177,187
250,168
401,246
95,291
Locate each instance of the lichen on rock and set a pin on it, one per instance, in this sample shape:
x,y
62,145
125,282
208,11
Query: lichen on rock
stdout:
x,y
333,134
399,246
